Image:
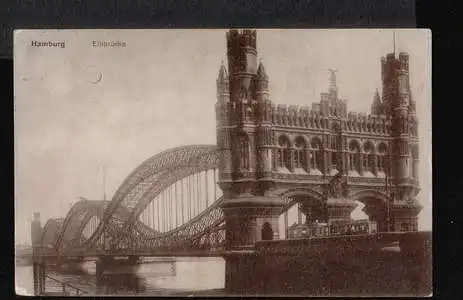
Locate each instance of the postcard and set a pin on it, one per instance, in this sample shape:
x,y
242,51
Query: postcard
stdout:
x,y
216,162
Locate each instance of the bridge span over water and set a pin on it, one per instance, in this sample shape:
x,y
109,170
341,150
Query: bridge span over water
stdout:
x,y
229,199
171,206
169,203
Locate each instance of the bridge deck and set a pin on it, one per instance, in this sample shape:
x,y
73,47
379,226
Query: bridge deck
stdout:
x,y
365,241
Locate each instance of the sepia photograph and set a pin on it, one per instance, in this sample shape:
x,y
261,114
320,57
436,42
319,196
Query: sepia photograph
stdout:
x,y
223,162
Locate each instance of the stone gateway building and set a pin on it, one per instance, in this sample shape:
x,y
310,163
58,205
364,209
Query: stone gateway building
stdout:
x,y
323,157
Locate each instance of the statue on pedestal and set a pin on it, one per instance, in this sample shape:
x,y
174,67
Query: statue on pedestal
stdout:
x,y
337,188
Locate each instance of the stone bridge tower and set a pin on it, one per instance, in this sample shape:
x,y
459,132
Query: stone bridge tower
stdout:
x,y
244,135
399,105
323,157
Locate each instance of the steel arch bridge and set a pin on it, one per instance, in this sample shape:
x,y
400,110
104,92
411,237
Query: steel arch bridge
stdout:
x,y
170,202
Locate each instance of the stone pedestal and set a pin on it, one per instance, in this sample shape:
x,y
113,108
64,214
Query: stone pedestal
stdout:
x,y
313,212
339,209
404,216
245,217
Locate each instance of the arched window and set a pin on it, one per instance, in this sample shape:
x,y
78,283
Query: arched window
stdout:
x,y
284,155
299,154
244,152
404,227
354,158
280,158
316,154
369,161
383,167
267,232
335,146
334,160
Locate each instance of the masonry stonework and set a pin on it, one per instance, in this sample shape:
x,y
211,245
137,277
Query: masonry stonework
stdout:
x,y
267,149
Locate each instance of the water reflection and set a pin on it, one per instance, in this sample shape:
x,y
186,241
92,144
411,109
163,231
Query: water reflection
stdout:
x,y
158,277
153,277
77,270
121,283
195,274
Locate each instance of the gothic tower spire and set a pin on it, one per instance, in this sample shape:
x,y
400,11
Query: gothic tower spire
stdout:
x,y
261,81
242,60
223,88
376,106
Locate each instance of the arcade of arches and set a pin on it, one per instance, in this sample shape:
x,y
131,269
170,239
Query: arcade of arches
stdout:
x,y
365,160
311,210
300,156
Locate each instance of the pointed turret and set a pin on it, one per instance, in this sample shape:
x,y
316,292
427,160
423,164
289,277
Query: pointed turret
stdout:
x,y
222,108
261,74
262,79
376,106
223,75
262,95
223,90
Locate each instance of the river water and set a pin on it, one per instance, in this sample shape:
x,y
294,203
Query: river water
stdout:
x,y
182,276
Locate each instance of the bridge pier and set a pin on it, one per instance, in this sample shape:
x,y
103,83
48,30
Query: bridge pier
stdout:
x,y
382,264
339,209
248,219
38,269
70,264
116,265
242,274
248,216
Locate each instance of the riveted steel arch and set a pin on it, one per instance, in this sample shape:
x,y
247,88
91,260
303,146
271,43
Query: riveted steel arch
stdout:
x,y
185,156
147,176
75,209
209,220
50,233
157,187
204,162
79,214
71,230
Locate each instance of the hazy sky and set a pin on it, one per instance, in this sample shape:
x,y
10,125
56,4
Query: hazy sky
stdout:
x,y
160,91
